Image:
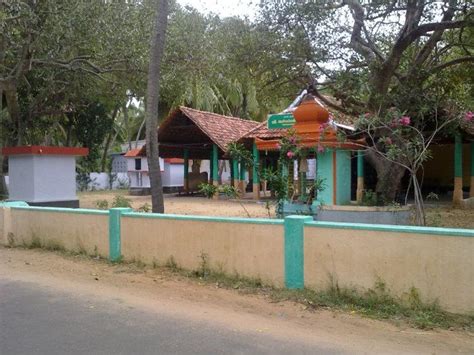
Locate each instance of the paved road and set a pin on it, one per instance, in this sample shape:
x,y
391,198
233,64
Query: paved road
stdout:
x,y
38,320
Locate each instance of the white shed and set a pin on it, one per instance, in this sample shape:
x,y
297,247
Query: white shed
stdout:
x,y
43,175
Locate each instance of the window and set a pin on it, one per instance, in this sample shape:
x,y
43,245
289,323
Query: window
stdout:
x,y
138,164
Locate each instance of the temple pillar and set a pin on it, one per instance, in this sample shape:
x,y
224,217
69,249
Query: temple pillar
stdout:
x,y
242,180
360,176
215,168
186,170
471,190
255,173
235,173
457,193
334,167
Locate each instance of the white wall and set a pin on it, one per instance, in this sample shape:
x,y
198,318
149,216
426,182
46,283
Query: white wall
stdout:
x,y
36,178
100,181
21,184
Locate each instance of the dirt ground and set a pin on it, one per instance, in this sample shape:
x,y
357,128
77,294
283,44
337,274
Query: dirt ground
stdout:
x,y
437,216
187,205
158,290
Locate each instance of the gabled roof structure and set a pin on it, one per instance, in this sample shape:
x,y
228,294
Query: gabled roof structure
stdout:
x,y
338,119
197,131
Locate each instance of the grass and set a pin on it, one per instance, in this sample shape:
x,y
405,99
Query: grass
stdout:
x,y
376,303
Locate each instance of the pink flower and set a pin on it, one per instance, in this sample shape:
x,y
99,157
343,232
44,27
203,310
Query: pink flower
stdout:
x,y
290,154
292,140
320,148
278,146
405,121
469,116
367,114
388,141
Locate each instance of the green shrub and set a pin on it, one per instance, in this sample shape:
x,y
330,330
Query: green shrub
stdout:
x,y
144,208
121,201
102,204
208,190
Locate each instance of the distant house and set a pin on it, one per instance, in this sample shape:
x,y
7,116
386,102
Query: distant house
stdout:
x,y
119,163
137,169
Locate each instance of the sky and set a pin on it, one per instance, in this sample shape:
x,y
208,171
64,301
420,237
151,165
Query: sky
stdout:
x,y
224,8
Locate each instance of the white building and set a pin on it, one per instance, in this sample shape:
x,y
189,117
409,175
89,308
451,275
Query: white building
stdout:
x,y
43,175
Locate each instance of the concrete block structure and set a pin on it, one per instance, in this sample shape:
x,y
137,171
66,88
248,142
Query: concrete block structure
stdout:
x,y
43,175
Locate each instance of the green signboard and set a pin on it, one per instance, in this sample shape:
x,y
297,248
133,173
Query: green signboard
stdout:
x,y
280,120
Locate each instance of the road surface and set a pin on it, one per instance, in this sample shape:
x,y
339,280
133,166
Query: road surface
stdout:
x,y
52,304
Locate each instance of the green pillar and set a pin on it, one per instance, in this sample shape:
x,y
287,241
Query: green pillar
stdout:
x,y
256,163
186,168
214,164
294,250
115,242
242,172
256,172
458,156
360,163
235,172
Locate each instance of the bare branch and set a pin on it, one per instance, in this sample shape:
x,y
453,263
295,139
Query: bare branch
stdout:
x,y
451,63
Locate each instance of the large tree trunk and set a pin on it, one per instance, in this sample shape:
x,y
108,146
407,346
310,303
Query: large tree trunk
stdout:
x,y
11,97
108,143
151,114
389,177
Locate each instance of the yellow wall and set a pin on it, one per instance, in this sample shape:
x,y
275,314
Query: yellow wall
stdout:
x,y
251,250
73,231
440,267
439,170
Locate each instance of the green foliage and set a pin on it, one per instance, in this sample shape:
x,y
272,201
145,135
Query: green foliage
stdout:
x,y
290,148
277,182
238,152
121,201
208,190
102,204
144,208
229,191
369,198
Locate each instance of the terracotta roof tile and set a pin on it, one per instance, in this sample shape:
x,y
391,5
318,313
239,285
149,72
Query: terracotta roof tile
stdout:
x,y
134,153
222,130
262,132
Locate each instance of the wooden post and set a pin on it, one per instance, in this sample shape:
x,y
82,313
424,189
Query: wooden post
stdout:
x,y
360,176
255,173
186,170
457,193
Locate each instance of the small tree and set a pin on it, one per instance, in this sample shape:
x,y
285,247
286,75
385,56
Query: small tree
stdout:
x,y
395,138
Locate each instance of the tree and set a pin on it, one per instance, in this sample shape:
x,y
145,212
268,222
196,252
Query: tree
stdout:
x,y
374,55
153,87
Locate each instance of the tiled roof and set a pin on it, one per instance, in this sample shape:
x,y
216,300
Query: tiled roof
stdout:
x,y
174,160
222,130
134,153
262,132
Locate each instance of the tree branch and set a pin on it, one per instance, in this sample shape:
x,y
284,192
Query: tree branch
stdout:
x,y
457,61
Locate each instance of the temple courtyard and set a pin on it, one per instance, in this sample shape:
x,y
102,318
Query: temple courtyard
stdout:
x,y
439,214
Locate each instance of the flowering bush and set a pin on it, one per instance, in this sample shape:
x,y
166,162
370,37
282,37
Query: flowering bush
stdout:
x,y
289,146
469,116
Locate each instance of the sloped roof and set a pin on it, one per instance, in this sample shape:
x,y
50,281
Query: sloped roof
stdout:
x,y
219,129
261,131
134,153
222,130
